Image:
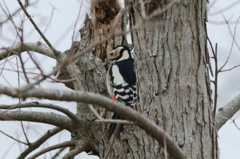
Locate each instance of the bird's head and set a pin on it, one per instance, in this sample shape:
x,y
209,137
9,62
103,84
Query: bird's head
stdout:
x,y
120,52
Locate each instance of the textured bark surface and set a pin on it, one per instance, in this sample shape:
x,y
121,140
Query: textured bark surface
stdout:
x,y
106,19
172,81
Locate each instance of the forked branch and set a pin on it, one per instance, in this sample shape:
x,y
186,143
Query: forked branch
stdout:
x,y
39,142
40,117
50,148
91,98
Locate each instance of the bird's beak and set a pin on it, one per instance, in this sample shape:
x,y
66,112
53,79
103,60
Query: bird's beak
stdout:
x,y
107,63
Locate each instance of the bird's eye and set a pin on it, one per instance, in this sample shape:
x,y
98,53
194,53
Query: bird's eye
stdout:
x,y
111,54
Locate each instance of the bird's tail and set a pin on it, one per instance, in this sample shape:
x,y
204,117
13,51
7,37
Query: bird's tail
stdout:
x,y
112,127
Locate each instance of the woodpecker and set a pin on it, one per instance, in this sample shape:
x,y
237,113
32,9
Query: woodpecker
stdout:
x,y
121,81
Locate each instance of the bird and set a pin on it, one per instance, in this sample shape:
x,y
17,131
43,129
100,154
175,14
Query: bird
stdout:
x,y
121,81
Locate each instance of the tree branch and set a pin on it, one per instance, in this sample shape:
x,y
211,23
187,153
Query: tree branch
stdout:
x,y
47,118
21,47
58,152
57,146
74,152
10,16
13,138
44,105
91,98
226,112
56,53
40,141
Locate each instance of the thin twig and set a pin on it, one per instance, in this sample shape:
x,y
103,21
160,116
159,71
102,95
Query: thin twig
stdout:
x,y
19,102
93,110
215,81
112,140
50,148
62,81
96,99
24,132
207,55
75,25
8,149
56,53
15,12
233,121
212,3
56,155
78,149
94,44
233,41
115,121
230,31
50,20
230,68
6,69
39,142
13,138
20,55
4,63
35,62
224,9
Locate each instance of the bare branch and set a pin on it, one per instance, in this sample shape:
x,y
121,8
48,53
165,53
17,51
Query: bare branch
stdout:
x,y
56,53
13,138
57,146
43,105
93,110
233,41
92,98
115,121
224,9
75,152
15,12
215,56
19,100
21,47
40,141
47,118
112,141
226,112
58,152
230,68
66,61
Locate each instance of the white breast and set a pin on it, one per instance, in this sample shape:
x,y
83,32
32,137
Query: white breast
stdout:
x,y
117,77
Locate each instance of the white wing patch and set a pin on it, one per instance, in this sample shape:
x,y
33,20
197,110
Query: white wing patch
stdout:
x,y
118,90
118,79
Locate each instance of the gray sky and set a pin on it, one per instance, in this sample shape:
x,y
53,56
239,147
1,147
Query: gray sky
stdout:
x,y
229,135
59,33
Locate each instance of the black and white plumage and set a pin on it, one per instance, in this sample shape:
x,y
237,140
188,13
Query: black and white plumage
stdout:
x,y
121,81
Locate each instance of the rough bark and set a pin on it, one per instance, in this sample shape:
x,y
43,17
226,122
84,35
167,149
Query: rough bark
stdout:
x,y
89,69
172,81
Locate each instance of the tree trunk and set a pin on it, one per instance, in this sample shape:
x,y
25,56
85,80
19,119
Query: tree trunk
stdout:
x,y
172,77
172,82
